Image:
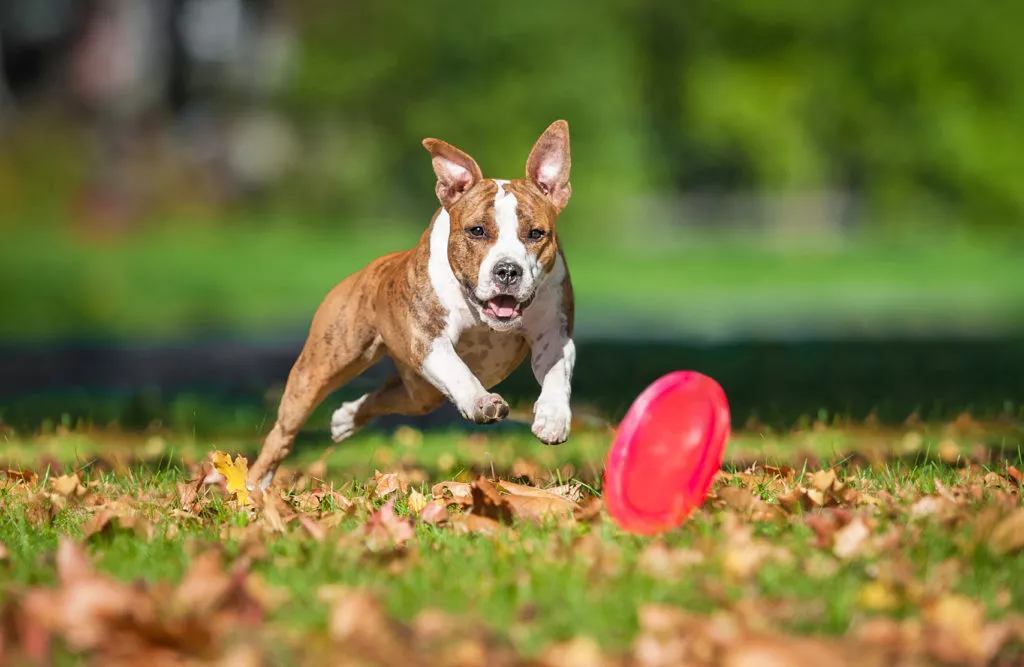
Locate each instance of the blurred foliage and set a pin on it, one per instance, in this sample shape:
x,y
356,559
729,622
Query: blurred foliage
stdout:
x,y
914,107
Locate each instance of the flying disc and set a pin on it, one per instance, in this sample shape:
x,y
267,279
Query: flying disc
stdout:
x,y
666,452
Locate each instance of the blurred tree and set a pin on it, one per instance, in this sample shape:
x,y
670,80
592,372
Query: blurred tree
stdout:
x,y
913,108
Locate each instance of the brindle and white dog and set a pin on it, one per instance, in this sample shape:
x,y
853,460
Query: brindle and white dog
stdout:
x,y
486,285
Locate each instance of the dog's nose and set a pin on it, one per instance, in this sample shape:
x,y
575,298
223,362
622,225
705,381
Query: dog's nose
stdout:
x,y
508,273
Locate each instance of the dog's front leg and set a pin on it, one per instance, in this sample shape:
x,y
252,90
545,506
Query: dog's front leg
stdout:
x,y
444,369
554,355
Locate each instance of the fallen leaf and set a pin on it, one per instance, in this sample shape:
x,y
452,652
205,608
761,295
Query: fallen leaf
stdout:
x,y
26,476
823,480
234,474
386,484
1015,475
528,502
417,502
783,471
929,505
525,469
572,492
849,540
1008,535
434,512
272,511
489,503
736,498
204,585
68,485
358,622
474,523
954,627
590,509
385,529
461,493
109,519
315,530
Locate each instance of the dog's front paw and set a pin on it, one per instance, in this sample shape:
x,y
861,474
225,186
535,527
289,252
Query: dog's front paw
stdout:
x,y
489,408
551,422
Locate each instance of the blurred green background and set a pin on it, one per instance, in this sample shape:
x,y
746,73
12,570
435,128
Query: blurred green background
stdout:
x,y
176,170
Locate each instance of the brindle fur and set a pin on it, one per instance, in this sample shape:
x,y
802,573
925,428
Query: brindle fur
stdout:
x,y
390,308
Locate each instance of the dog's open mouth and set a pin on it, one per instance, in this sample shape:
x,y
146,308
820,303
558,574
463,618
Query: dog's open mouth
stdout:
x,y
503,307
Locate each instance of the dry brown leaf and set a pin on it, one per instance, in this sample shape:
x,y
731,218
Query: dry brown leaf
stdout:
x,y
744,554
26,476
850,540
823,480
111,518
489,503
315,530
272,511
931,505
358,622
459,493
434,512
737,498
783,471
590,509
387,530
525,469
68,485
953,629
386,484
473,523
1008,535
1015,475
527,502
572,492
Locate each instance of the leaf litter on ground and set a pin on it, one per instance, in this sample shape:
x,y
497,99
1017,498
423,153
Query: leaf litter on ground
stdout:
x,y
759,519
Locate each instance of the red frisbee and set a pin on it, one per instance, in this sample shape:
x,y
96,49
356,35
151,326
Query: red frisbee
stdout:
x,y
666,452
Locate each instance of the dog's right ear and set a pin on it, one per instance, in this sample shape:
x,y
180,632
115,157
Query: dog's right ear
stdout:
x,y
456,171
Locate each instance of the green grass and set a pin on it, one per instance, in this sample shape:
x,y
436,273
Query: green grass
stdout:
x,y
552,582
177,280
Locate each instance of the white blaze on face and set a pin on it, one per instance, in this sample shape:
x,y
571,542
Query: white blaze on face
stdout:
x,y
507,248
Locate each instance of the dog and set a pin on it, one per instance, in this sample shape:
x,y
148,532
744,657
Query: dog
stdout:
x,y
486,286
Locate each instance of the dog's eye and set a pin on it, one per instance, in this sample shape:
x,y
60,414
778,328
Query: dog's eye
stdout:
x,y
476,232
536,234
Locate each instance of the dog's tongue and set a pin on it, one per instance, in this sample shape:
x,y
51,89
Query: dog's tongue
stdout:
x,y
503,306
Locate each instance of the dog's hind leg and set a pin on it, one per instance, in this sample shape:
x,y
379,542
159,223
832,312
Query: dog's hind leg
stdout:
x,y
317,372
404,394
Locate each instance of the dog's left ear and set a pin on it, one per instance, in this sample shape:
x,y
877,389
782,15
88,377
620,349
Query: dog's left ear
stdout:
x,y
549,163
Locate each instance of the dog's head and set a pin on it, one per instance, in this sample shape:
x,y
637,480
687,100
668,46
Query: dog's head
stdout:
x,y
502,242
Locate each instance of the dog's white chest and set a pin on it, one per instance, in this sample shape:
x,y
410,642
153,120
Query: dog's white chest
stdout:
x,y
491,355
